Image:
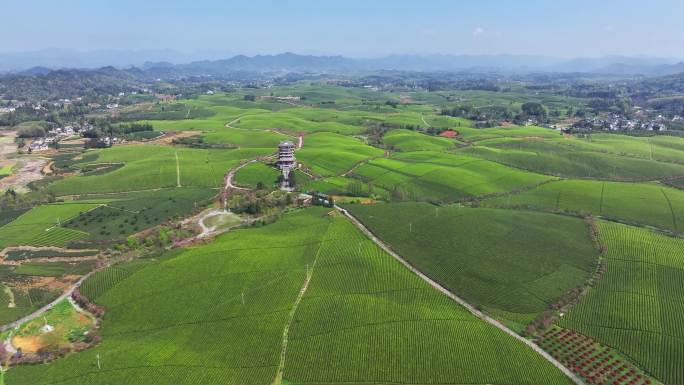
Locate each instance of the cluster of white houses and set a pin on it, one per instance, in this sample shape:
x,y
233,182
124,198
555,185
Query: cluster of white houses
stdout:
x,y
55,134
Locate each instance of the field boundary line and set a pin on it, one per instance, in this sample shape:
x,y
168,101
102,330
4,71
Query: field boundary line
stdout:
x,y
669,203
459,300
422,117
75,216
178,183
286,331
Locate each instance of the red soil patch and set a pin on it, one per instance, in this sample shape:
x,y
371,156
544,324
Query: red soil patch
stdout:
x,y
449,134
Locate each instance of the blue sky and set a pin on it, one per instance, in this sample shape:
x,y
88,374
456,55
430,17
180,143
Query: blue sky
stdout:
x,y
350,27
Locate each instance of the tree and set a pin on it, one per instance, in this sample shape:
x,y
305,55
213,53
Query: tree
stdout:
x,y
132,242
534,109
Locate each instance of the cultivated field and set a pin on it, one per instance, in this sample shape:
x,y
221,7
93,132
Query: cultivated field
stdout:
x,y
642,203
513,264
406,140
636,307
222,313
605,157
155,167
329,154
255,173
435,176
42,226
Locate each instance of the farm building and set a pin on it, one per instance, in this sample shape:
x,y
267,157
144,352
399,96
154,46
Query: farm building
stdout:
x,y
286,160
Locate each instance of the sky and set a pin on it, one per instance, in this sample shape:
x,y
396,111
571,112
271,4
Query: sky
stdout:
x,y
356,28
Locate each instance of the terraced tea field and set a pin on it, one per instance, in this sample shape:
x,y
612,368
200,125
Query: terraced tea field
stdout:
x,y
605,158
435,176
512,264
405,140
255,173
329,154
129,213
641,203
220,313
42,226
155,167
636,307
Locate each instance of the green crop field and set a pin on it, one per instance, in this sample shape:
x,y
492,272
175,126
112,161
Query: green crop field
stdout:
x,y
22,255
637,305
245,138
253,174
578,158
405,140
513,264
127,213
55,269
496,215
339,185
154,167
42,226
329,154
642,203
217,314
435,176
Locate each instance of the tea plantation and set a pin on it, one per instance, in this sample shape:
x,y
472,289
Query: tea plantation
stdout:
x,y
218,314
636,307
513,264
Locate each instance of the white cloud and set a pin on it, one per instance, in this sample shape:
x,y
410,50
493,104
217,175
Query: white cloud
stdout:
x,y
428,32
478,31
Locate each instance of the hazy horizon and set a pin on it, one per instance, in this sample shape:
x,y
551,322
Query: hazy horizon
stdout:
x,y
353,28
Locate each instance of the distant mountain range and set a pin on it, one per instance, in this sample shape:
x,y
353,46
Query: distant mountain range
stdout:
x,y
289,62
171,63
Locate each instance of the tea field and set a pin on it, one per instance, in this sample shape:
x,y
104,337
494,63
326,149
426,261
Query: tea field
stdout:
x,y
640,203
154,167
636,307
255,174
441,177
218,314
42,226
513,264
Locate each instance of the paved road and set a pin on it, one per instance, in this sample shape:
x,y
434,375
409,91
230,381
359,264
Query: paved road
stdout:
x,y
461,301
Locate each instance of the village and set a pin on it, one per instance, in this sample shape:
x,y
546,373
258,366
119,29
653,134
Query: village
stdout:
x,y
620,123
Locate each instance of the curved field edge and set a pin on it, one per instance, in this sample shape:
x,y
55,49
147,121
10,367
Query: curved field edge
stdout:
x,y
649,204
636,307
216,314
